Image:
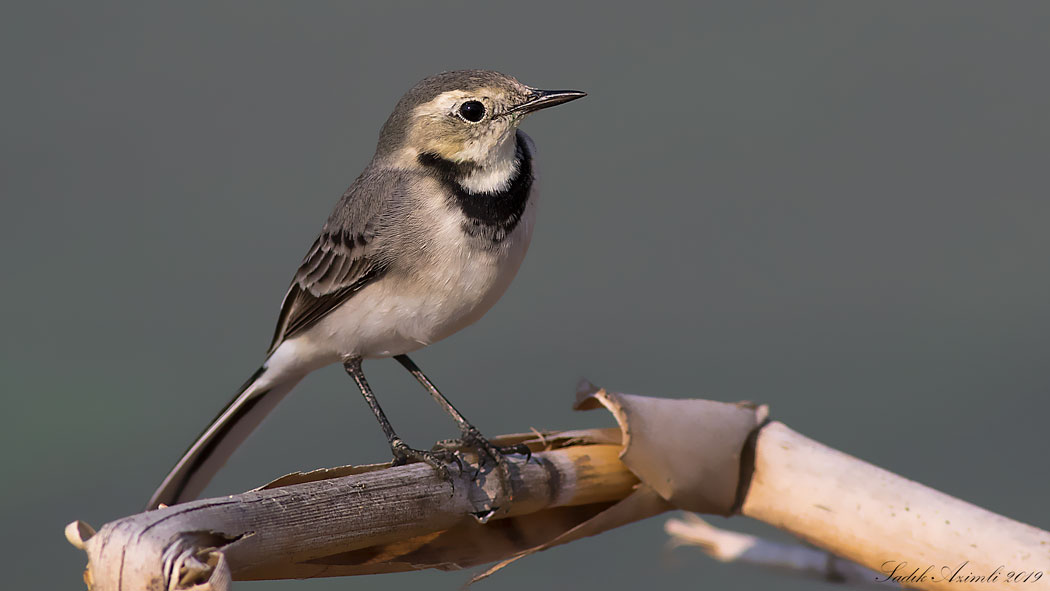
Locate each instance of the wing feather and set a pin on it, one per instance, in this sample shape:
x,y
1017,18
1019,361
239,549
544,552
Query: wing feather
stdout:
x,y
350,252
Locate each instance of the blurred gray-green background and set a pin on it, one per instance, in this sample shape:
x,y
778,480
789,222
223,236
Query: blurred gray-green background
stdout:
x,y
836,208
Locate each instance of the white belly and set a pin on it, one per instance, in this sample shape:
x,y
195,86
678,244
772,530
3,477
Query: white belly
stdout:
x,y
402,313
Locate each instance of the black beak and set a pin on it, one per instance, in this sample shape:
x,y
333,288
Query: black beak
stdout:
x,y
541,99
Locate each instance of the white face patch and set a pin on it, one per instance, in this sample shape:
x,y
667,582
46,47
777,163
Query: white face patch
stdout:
x,y
438,127
446,103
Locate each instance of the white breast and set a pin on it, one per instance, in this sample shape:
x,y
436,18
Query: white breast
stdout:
x,y
404,312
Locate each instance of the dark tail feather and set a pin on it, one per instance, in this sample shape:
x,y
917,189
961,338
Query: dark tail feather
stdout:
x,y
259,395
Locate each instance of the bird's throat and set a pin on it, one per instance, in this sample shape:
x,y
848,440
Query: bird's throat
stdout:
x,y
492,198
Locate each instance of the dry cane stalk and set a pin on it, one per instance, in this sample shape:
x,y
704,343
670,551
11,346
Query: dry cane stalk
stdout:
x,y
881,520
383,520
689,454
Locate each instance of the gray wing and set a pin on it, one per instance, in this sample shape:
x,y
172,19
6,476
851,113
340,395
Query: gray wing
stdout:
x,y
351,252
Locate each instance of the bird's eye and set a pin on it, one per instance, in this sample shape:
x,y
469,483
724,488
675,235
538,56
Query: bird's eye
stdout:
x,y
472,111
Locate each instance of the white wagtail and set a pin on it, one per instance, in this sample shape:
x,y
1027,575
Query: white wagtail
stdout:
x,y
420,246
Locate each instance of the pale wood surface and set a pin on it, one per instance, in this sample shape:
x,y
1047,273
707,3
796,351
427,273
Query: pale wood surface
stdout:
x,y
879,519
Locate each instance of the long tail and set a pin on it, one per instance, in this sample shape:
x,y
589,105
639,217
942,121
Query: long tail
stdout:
x,y
259,395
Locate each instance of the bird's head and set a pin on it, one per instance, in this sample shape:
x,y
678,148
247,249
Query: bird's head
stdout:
x,y
467,117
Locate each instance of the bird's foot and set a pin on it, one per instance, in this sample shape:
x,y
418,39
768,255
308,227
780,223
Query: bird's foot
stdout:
x,y
487,452
438,459
471,438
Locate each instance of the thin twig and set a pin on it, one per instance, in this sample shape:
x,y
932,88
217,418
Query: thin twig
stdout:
x,y
729,546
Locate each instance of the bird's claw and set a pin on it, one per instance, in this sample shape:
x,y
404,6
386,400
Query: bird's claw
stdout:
x,y
471,438
437,459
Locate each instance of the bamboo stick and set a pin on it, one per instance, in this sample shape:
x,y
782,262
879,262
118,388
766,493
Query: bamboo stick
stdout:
x,y
888,523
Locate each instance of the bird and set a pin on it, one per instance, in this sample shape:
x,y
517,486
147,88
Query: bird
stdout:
x,y
420,246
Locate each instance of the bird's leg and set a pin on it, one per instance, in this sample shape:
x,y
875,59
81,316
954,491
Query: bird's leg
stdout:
x,y
470,436
402,452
